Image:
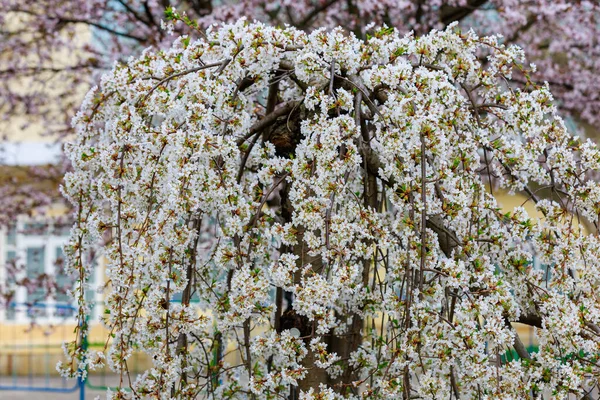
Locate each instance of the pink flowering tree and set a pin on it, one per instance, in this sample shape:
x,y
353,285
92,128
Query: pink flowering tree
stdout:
x,y
323,207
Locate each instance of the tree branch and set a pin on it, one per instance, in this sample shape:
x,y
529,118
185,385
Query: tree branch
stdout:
x,y
314,12
101,27
518,344
449,14
268,120
182,73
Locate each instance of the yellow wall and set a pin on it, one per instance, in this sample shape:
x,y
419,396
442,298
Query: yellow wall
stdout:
x,y
59,59
35,350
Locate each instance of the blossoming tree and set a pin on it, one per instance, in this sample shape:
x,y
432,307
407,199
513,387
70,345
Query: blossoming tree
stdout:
x,y
42,86
320,203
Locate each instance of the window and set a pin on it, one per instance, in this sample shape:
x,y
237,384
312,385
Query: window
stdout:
x,y
11,260
33,257
11,236
63,284
36,293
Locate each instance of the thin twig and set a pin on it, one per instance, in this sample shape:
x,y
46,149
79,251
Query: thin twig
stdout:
x,y
219,64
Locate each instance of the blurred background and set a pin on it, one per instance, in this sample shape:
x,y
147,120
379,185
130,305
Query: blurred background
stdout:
x,y
53,51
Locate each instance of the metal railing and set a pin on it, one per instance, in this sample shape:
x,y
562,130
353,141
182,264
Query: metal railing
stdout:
x,y
28,360
30,350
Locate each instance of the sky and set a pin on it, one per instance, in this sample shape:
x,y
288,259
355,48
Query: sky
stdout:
x,y
29,153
